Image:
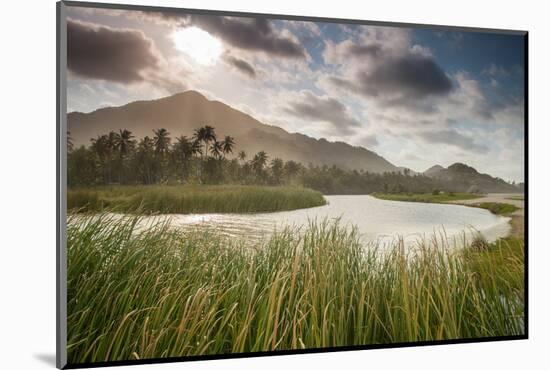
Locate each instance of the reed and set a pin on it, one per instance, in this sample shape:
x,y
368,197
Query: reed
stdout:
x,y
192,199
157,291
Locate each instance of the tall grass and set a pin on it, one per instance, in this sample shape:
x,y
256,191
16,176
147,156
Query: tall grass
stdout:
x,y
136,293
497,208
426,197
193,199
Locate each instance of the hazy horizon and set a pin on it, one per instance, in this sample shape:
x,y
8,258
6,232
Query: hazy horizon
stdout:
x,y
416,97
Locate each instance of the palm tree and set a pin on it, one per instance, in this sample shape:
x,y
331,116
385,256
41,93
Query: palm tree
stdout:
x,y
209,135
258,164
124,142
196,147
242,156
104,146
145,159
227,145
291,169
277,165
216,149
111,141
205,134
184,150
111,147
99,148
199,135
161,141
183,147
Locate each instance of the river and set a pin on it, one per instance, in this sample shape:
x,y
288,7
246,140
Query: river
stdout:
x,y
378,221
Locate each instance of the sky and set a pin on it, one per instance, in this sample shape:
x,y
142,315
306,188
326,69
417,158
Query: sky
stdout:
x,y
416,96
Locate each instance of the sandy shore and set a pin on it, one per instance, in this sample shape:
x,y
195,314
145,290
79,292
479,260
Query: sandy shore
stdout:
x,y
517,216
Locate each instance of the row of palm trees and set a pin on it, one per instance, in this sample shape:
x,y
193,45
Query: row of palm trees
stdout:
x,y
123,141
118,156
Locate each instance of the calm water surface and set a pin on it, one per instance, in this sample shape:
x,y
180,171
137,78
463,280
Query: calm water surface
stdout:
x,y
376,220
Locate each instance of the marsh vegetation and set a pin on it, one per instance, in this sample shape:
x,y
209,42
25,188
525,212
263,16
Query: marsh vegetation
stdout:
x,y
185,199
162,292
433,197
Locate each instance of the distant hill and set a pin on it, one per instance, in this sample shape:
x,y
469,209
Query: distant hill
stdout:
x,y
467,178
182,113
434,170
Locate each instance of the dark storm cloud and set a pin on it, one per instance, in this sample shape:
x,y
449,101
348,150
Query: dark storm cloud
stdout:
x,y
254,34
409,76
389,69
104,53
241,65
416,74
326,109
454,138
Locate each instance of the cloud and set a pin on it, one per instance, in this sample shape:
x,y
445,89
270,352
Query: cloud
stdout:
x,y
120,55
241,65
105,53
368,141
308,106
252,34
412,75
494,70
480,102
364,50
374,70
453,138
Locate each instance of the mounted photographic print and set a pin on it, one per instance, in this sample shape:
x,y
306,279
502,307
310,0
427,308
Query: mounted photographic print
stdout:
x,y
236,184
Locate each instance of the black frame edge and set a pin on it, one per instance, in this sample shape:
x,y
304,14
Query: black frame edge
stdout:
x,y
526,183
291,352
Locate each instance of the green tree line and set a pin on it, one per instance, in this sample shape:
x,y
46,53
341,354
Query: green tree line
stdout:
x,y
204,158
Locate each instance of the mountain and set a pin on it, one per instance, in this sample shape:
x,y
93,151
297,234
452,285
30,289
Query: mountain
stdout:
x,y
182,113
466,178
434,170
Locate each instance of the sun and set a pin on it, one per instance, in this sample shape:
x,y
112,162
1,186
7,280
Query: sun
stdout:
x,y
202,47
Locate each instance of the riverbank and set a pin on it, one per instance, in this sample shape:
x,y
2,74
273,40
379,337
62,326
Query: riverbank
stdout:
x,y
426,197
505,254
185,199
163,292
517,215
499,204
